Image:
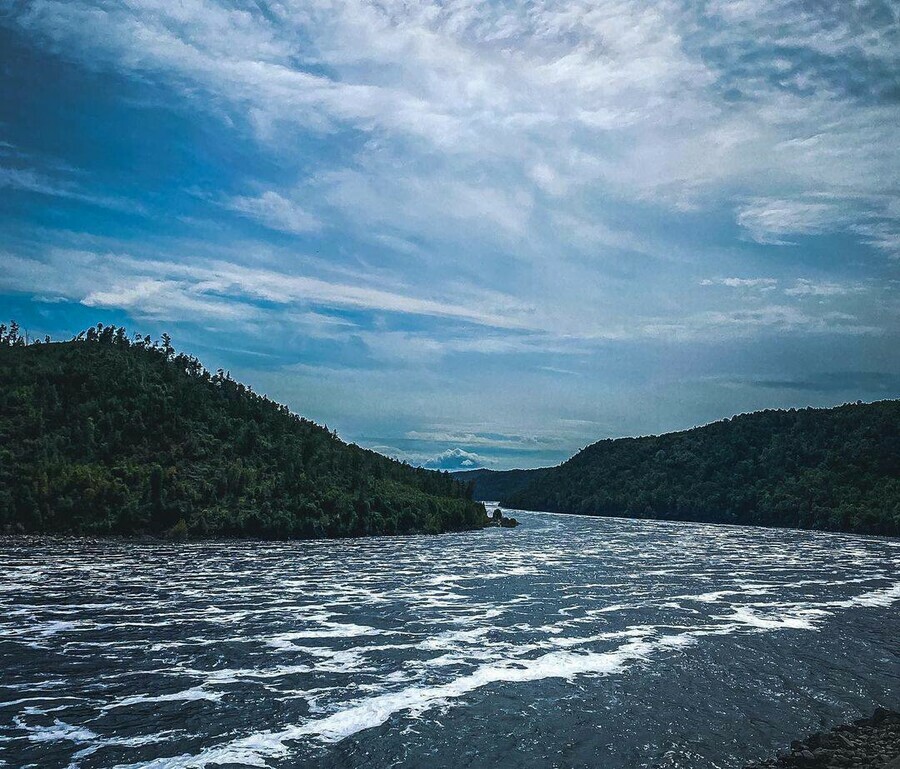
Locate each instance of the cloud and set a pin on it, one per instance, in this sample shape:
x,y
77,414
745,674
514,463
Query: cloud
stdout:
x,y
762,284
475,115
166,299
427,202
484,195
759,321
456,459
801,287
160,289
883,382
275,212
212,290
883,235
35,181
805,287
492,440
769,221
448,460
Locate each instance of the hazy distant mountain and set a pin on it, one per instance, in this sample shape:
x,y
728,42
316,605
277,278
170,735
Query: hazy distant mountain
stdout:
x,y
494,485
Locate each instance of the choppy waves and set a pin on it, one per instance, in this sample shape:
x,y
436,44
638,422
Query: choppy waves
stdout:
x,y
163,656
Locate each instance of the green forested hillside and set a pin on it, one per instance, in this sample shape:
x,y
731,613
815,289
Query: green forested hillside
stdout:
x,y
494,485
110,435
835,469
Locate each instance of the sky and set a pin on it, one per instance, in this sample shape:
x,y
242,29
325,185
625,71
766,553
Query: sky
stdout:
x,y
467,234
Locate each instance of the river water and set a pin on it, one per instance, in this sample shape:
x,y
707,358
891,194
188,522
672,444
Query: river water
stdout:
x,y
567,642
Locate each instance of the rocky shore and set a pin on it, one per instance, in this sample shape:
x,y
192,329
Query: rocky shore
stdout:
x,y
869,743
498,519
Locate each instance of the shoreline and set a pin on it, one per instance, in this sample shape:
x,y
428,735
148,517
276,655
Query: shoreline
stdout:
x,y
867,743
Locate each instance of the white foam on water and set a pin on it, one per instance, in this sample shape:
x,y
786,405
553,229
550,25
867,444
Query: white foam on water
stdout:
x,y
798,619
235,675
883,597
284,641
712,597
518,571
443,579
612,608
48,698
188,695
44,629
57,732
256,749
304,608
632,632
451,638
480,617
448,659
126,742
339,660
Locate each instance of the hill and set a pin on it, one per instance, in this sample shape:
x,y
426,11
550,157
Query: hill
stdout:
x,y
110,435
494,485
836,469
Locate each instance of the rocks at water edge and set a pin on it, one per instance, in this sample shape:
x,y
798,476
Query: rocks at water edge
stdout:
x,y
498,519
869,743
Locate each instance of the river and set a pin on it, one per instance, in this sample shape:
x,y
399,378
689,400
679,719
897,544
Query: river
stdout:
x,y
566,642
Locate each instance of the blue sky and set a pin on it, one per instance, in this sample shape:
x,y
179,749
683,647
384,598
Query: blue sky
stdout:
x,y
468,233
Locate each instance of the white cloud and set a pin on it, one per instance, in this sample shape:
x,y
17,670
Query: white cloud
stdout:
x,y
33,180
490,440
883,235
770,220
774,221
448,460
474,110
205,288
163,300
539,184
275,212
457,459
211,291
762,284
427,202
758,320
803,287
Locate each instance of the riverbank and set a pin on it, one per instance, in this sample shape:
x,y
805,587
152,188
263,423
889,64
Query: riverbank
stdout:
x,y
869,743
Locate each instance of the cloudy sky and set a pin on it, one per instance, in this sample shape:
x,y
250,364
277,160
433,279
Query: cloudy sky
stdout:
x,y
467,233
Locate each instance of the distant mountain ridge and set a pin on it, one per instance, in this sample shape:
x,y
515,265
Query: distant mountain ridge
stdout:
x,y
836,469
107,434
496,485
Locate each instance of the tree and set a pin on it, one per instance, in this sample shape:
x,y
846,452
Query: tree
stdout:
x,y
101,434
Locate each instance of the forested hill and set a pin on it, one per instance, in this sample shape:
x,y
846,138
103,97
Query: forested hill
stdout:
x,y
494,485
836,469
110,435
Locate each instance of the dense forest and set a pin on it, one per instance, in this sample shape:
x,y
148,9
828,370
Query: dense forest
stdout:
x,y
111,434
836,469
496,485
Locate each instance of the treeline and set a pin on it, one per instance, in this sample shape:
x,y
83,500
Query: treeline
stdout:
x,y
496,485
115,434
835,469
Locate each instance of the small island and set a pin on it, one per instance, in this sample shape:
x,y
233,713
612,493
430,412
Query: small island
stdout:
x,y
498,519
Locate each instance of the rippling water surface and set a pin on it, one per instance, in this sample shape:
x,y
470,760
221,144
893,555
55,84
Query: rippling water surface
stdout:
x,y
568,642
